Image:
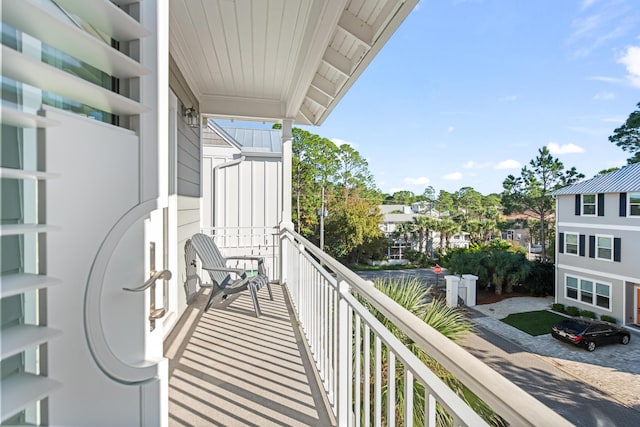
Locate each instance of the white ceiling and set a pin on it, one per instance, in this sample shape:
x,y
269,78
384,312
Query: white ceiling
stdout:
x,y
277,59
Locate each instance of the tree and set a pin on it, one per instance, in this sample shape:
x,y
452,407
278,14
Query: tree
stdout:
x,y
447,228
530,192
314,165
450,322
352,224
403,197
423,225
627,136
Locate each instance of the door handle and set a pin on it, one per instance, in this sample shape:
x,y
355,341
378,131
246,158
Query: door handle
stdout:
x,y
155,313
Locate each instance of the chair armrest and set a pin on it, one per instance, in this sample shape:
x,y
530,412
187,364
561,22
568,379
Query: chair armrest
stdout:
x,y
229,269
248,258
261,268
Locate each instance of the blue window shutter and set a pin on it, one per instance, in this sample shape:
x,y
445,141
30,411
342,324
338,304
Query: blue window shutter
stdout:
x,y
623,204
592,246
578,204
581,245
617,247
561,243
600,204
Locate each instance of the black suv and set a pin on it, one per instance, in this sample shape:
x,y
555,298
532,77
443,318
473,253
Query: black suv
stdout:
x,y
589,334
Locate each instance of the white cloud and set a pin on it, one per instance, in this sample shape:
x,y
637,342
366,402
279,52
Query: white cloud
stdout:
x,y
509,98
587,3
421,180
617,164
450,129
614,119
508,164
605,79
556,149
631,59
339,142
473,165
455,176
604,96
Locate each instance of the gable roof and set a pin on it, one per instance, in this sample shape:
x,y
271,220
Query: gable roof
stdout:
x,y
624,179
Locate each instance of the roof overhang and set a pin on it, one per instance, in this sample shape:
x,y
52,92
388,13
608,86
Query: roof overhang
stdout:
x,y
278,59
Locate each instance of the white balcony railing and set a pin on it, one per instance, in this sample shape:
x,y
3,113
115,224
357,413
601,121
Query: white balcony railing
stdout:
x,y
255,241
358,358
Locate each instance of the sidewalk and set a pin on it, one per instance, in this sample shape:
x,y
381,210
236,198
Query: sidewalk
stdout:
x,y
613,369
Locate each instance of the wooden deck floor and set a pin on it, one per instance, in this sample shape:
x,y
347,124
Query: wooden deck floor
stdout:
x,y
229,368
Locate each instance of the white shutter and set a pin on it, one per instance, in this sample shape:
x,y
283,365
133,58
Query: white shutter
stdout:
x,y
84,30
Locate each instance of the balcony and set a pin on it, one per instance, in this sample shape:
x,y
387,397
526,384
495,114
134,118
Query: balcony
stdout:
x,y
318,356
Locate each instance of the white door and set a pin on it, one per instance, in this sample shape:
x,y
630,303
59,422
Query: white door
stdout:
x,y
108,358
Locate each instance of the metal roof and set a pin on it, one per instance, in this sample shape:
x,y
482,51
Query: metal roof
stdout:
x,y
256,140
623,180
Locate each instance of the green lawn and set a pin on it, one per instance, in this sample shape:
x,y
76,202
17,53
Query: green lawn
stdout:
x,y
533,322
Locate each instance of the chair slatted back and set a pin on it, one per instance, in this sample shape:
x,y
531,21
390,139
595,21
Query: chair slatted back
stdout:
x,y
210,256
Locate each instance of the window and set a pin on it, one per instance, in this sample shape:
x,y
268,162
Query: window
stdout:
x,y
604,247
571,243
583,290
572,287
634,204
603,298
586,291
588,204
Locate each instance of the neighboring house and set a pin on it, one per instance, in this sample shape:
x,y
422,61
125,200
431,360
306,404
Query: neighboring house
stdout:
x,y
598,242
392,215
398,245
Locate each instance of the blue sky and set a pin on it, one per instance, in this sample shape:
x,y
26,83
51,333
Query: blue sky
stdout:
x,y
467,91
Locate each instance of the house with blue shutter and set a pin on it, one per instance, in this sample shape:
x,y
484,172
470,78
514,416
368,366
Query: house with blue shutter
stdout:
x,y
598,245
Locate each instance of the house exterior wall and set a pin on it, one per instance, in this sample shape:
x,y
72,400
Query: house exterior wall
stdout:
x,y
242,203
188,186
618,273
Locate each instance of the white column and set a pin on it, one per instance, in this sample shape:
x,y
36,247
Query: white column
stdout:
x,y
452,290
470,282
287,141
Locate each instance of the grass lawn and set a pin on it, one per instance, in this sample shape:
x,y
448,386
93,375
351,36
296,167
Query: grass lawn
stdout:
x,y
533,322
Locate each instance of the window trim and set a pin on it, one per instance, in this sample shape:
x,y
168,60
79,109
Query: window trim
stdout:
x,y
629,204
595,205
566,234
594,293
611,238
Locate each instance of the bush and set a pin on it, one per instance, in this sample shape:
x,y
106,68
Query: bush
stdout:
x,y
587,313
541,279
609,319
573,311
557,307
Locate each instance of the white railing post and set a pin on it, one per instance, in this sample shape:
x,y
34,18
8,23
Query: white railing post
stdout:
x,y
283,258
343,406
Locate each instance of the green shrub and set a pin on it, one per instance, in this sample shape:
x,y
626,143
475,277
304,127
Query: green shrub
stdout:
x,y
557,307
587,313
573,311
609,319
540,280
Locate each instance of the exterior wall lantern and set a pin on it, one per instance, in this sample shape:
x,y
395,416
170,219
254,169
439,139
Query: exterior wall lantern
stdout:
x,y
190,115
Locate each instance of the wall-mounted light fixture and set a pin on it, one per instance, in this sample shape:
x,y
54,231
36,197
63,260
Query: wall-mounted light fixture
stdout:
x,y
190,115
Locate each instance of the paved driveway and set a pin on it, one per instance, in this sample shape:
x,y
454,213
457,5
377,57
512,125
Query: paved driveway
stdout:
x,y
614,369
